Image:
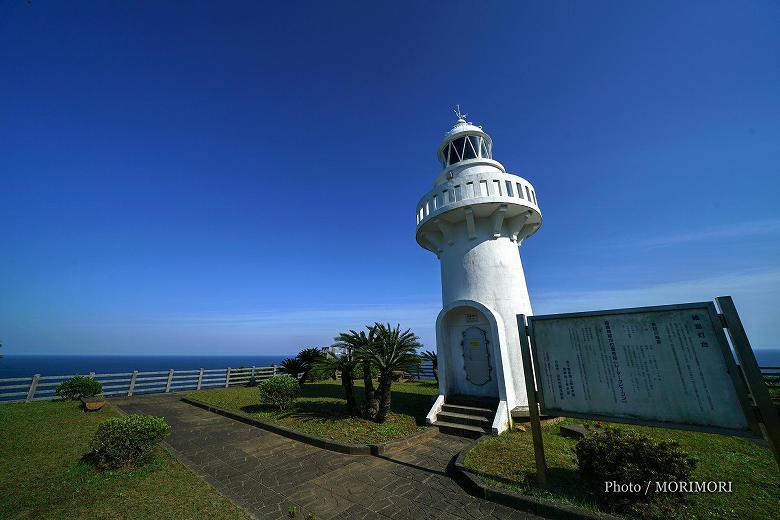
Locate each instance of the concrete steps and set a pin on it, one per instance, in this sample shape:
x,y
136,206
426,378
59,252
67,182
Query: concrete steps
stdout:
x,y
462,418
468,410
466,416
461,430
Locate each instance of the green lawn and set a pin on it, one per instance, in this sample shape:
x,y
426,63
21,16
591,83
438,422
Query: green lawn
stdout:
x,y
42,474
508,461
320,410
773,385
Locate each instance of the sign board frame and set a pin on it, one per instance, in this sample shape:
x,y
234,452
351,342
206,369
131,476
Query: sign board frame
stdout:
x,y
762,418
725,349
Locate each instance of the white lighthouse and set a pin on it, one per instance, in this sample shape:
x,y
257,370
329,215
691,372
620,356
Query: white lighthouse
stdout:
x,y
475,219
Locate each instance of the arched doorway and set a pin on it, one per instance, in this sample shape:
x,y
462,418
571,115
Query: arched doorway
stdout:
x,y
468,348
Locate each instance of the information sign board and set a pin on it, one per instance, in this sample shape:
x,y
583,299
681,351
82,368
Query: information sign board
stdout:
x,y
665,366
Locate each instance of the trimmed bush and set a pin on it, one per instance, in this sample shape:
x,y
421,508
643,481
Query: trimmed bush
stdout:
x,y
77,387
279,391
126,441
612,455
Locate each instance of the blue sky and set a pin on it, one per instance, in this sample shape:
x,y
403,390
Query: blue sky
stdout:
x,y
195,177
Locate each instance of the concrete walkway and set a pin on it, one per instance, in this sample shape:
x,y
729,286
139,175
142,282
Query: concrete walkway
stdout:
x,y
266,473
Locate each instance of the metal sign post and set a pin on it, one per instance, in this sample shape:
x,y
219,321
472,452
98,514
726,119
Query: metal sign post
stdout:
x,y
768,415
533,406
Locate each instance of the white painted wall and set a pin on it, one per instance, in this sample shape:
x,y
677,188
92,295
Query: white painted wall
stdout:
x,y
488,271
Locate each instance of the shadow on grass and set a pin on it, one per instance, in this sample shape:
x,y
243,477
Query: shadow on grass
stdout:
x,y
152,460
562,484
315,390
325,401
562,481
258,408
565,485
305,410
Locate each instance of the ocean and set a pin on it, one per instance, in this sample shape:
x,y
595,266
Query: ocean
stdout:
x,y
767,357
25,366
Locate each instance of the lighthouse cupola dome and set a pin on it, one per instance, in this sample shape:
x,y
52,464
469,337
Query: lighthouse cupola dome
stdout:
x,y
464,142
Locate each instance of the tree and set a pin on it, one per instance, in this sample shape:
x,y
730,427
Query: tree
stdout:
x,y
389,350
293,367
431,356
358,342
309,357
346,364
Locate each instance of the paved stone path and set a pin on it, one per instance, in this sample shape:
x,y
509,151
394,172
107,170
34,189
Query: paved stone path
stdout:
x,y
266,473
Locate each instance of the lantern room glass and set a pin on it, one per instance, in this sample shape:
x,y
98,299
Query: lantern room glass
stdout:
x,y
465,148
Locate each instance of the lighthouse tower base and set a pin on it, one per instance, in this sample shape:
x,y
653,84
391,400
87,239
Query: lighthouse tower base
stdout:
x,y
478,334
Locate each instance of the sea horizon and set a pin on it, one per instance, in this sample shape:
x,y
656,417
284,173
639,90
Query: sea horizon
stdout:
x,y
26,365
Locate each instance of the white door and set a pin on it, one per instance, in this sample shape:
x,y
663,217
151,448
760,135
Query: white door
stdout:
x,y
476,357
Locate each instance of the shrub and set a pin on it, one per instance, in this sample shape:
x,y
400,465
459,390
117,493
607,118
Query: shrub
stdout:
x,y
293,367
309,357
279,391
612,455
126,441
77,387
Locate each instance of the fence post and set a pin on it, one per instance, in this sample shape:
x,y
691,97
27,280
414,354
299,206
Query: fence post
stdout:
x,y
170,380
33,386
92,375
274,365
227,377
200,379
132,383
252,381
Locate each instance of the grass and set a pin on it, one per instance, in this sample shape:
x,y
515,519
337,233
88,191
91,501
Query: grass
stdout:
x,y
42,474
507,461
773,385
320,410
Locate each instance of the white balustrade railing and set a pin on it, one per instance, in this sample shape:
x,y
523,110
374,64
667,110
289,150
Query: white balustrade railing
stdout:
x,y
475,189
38,387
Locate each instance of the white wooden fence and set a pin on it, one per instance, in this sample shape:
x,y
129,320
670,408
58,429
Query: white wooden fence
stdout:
x,y
38,387
424,371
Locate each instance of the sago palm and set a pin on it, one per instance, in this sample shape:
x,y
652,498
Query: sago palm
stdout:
x,y
292,366
431,356
309,357
358,342
344,363
390,350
